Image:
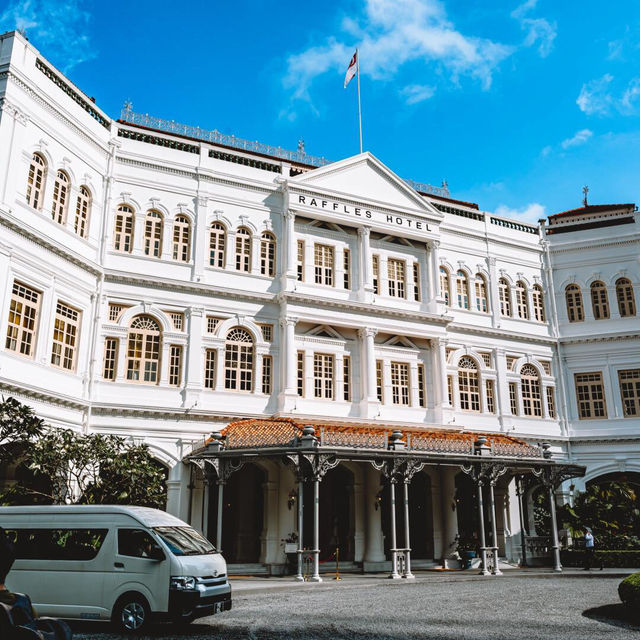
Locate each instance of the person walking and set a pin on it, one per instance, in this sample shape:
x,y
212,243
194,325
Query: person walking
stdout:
x,y
589,550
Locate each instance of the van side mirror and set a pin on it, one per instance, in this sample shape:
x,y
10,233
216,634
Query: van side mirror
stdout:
x,y
156,553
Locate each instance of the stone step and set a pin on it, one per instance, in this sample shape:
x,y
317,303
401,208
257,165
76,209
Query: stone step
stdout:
x,y
248,569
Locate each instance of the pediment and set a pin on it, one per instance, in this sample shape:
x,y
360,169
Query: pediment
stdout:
x,y
365,178
325,331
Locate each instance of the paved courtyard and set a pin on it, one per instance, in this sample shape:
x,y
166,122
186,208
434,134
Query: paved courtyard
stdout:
x,y
434,606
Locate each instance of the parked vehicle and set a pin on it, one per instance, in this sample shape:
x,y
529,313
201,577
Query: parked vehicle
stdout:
x,y
125,564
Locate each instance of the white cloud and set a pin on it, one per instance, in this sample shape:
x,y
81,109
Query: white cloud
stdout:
x,y
595,96
58,26
602,96
546,151
538,31
389,34
580,138
415,93
530,213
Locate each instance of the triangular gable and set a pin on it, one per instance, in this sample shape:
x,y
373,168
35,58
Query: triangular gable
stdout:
x,y
399,341
366,178
324,331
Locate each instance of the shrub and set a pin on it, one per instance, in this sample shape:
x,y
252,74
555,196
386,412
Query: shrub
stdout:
x,y
629,590
610,558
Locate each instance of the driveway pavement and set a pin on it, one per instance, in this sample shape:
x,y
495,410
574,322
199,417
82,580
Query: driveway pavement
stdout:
x,y
452,606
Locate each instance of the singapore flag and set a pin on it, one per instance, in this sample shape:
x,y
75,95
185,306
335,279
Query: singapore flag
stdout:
x,y
352,69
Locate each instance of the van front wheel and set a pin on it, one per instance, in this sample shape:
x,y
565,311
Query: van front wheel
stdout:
x,y
131,613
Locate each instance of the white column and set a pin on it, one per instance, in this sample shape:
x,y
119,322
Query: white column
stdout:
x,y
255,253
288,270
359,536
230,251
369,402
441,376
164,364
167,239
365,267
199,239
178,491
413,381
307,381
289,393
15,173
436,515
138,233
502,390
448,509
493,293
194,366
433,295
374,544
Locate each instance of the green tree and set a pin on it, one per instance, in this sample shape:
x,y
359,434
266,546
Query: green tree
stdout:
x,y
19,426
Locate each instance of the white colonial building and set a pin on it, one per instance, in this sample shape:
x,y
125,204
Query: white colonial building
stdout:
x,y
162,282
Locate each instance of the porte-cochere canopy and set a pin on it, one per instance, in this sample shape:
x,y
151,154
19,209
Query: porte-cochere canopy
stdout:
x,y
312,448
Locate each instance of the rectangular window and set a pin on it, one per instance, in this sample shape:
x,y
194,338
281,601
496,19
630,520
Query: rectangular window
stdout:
x,y
400,383
323,263
300,260
323,375
267,371
212,324
416,282
590,396
115,311
422,386
110,358
177,319
210,369
379,381
486,358
450,389
375,262
396,278
346,378
57,544
267,332
66,327
175,365
491,399
346,261
23,320
551,402
546,367
513,397
301,373
630,391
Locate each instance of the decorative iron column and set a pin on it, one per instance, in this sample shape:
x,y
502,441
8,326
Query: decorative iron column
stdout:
x,y
299,575
555,544
394,551
221,484
523,539
412,466
316,529
483,548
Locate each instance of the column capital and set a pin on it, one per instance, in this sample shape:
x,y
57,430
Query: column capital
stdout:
x,y
195,312
364,232
288,321
432,245
367,332
289,214
202,201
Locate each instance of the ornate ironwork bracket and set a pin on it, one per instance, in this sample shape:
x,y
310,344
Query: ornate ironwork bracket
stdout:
x,y
484,472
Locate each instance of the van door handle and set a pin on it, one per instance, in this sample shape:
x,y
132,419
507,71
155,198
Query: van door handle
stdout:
x,y
119,565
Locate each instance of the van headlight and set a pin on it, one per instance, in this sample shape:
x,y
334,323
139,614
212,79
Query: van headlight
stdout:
x,y
182,583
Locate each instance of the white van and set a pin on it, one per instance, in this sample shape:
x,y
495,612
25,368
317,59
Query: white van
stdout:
x,y
125,564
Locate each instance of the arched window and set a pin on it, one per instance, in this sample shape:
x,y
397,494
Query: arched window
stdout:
x,y
181,238
60,198
444,286
268,254
462,289
36,181
468,384
238,360
153,224
531,394
599,300
626,301
83,211
537,298
504,292
217,243
243,250
522,303
123,232
143,350
482,303
573,297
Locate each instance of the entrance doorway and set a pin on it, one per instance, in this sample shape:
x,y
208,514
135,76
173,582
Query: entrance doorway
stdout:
x,y
242,515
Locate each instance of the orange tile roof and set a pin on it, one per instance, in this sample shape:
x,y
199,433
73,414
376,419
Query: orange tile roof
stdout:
x,y
278,432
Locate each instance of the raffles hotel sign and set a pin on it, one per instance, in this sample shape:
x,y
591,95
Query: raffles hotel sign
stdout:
x,y
334,206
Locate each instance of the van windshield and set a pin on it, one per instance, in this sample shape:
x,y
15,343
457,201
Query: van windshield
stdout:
x,y
184,541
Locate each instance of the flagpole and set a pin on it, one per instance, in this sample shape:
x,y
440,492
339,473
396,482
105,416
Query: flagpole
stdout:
x,y
359,108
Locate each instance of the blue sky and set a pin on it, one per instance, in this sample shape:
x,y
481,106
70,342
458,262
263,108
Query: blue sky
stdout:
x,y
516,104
